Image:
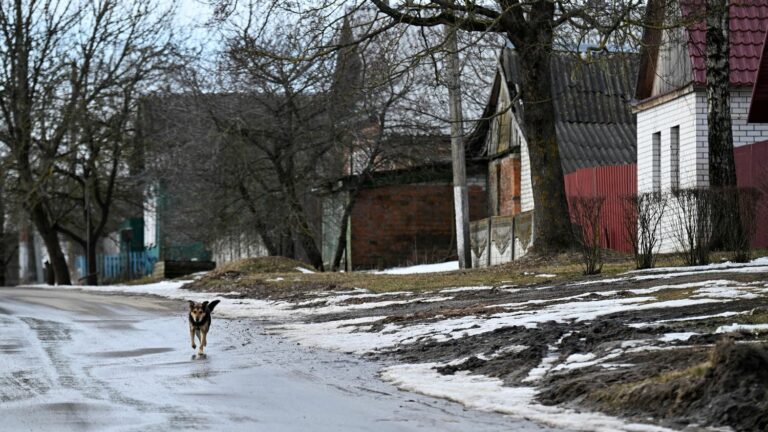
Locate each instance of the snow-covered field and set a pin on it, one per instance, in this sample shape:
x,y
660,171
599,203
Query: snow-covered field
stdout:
x,y
302,323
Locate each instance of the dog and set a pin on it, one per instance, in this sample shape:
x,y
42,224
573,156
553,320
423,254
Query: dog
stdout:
x,y
200,322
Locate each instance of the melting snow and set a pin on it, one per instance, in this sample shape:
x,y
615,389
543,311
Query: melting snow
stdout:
x,y
756,328
489,394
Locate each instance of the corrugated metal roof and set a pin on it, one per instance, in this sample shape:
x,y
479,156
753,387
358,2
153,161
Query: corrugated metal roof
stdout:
x,y
594,122
748,24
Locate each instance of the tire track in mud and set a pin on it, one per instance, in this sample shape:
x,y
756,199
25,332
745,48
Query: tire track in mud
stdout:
x,y
18,381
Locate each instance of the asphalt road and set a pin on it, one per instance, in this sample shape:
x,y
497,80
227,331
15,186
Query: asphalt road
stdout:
x,y
74,361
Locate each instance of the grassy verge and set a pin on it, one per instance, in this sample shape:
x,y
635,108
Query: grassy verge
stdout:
x,y
281,274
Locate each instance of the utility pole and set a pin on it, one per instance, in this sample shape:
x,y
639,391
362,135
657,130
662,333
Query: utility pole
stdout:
x,y
460,195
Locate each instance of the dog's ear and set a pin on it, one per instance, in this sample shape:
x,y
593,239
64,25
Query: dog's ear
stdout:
x,y
212,305
205,305
191,304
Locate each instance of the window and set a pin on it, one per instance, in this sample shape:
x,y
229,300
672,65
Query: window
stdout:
x,y
656,155
674,158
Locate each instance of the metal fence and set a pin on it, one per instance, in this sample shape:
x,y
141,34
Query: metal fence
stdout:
x,y
613,183
120,267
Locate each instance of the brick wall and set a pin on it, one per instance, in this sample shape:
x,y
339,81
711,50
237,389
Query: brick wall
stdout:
x,y
689,112
504,185
407,224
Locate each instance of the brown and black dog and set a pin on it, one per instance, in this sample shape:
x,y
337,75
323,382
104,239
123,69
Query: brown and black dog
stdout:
x,y
200,322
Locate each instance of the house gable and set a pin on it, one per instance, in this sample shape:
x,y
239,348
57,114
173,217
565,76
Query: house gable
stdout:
x,y
664,67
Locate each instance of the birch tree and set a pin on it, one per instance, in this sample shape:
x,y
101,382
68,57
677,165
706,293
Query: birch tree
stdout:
x,y
722,167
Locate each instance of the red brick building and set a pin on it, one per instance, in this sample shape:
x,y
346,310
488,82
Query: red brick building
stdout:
x,y
404,217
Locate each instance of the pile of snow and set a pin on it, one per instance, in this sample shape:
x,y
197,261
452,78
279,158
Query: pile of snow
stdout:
x,y
424,268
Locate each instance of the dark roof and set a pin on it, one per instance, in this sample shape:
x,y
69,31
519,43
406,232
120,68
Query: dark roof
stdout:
x,y
594,122
748,22
758,107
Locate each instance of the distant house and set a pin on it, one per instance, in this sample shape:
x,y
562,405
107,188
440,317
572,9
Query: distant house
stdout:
x,y
596,137
403,212
672,149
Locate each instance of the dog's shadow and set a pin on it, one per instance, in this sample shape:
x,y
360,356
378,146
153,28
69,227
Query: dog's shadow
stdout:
x,y
199,357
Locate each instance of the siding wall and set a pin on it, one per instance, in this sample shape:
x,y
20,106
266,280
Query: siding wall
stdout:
x,y
526,187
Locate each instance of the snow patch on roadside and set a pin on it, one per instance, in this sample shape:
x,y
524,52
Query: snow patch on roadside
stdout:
x,y
489,394
424,268
754,328
467,288
680,336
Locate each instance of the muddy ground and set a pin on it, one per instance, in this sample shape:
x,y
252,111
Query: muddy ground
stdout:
x,y
671,365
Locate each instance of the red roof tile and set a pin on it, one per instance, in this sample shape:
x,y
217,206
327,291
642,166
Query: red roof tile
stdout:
x,y
748,24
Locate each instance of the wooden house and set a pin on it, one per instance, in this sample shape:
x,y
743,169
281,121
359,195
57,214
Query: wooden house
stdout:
x,y
596,137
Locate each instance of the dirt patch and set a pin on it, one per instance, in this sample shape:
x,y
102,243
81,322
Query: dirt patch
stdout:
x,y
727,389
647,363
257,265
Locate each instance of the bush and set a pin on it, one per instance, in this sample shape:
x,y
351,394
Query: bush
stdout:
x,y
693,224
586,214
642,219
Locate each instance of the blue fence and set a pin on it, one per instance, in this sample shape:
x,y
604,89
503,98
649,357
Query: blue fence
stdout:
x,y
124,266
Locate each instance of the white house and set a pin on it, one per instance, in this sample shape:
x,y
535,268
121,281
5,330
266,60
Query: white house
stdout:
x,y
671,107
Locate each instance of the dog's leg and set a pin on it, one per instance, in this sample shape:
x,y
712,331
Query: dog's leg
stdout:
x,y
192,336
202,342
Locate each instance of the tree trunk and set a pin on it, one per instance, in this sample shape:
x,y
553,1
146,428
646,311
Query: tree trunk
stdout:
x,y
287,248
52,244
3,243
722,168
552,227
92,273
272,249
305,236
341,244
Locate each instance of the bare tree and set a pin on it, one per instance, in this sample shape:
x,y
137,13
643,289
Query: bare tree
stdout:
x,y
134,53
530,27
57,58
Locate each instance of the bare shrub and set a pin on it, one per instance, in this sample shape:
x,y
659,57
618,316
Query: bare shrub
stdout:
x,y
693,224
586,213
642,220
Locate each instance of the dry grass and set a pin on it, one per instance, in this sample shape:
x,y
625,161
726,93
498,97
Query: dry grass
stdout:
x,y
280,273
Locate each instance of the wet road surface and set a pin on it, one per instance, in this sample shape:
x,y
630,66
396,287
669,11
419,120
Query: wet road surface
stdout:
x,y
73,361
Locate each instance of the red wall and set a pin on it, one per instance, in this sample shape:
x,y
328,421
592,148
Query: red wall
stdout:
x,y
408,224
508,187
617,181
612,182
752,171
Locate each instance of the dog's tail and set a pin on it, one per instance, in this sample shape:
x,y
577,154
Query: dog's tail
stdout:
x,y
212,305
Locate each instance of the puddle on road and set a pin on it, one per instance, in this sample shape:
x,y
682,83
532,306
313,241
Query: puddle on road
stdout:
x,y
111,324
131,353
